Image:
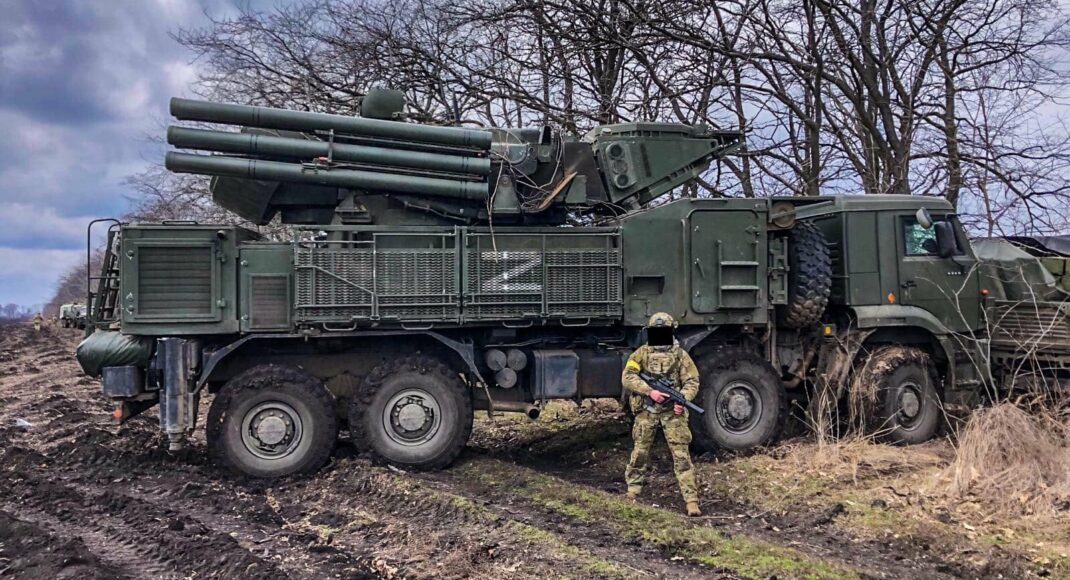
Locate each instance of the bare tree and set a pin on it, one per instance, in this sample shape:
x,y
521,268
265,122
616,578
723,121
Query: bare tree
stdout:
x,y
953,98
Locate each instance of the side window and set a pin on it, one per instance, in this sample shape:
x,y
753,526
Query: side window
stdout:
x,y
919,240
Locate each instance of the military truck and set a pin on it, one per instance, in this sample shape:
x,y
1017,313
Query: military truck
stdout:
x,y
432,271
72,315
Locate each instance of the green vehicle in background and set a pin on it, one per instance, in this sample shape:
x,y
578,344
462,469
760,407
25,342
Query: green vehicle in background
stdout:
x,y
433,271
72,315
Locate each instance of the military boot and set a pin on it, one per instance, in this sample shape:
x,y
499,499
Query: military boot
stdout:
x,y
692,509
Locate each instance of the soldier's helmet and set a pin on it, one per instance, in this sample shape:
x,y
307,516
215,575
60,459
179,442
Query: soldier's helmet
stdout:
x,y
659,331
661,320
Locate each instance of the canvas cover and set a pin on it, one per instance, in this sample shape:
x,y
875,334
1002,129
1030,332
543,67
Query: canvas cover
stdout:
x,y
112,349
1014,274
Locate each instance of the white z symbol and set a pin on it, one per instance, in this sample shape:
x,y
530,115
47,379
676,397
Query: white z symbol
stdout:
x,y
527,261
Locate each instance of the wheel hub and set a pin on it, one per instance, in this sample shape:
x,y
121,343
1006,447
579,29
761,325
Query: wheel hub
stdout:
x,y
739,407
411,417
909,403
271,430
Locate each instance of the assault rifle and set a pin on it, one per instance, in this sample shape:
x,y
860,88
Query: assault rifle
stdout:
x,y
665,386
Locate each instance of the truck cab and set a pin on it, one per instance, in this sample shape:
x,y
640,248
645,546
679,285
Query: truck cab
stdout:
x,y
900,259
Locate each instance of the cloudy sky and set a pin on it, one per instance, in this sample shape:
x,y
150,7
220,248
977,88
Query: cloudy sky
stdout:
x,y
84,85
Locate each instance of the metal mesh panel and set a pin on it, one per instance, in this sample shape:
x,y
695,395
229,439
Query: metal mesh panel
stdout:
x,y
552,283
343,285
547,276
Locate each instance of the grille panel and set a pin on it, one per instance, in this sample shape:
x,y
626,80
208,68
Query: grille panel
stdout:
x,y
1030,327
174,281
548,276
342,285
269,301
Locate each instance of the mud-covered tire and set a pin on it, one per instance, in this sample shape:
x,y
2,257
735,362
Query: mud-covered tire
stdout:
x,y
743,399
905,405
285,398
413,413
809,277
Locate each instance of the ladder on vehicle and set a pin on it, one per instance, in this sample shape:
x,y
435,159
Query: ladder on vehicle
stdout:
x,y
739,285
102,302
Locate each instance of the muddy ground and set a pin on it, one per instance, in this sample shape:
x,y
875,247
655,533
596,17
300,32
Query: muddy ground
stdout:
x,y
82,498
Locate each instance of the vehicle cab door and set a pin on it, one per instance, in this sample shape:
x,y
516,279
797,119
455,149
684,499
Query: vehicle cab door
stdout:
x,y
947,286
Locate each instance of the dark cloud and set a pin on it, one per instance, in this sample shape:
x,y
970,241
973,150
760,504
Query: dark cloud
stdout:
x,y
83,87
48,60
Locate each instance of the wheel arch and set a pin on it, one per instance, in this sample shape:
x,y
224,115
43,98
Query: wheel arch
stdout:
x,y
909,325
699,342
227,361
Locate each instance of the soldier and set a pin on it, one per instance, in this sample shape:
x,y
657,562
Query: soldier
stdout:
x,y
661,356
37,321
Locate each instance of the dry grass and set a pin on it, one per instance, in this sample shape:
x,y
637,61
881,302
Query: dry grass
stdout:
x,y
856,457
1014,460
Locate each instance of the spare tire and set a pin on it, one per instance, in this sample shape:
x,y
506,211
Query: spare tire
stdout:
x,y
809,277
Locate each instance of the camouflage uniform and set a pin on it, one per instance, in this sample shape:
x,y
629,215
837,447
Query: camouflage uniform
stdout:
x,y
675,363
37,321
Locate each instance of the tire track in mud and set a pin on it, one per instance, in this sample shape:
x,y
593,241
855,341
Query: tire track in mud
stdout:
x,y
170,506
86,465
137,508
137,536
475,540
27,549
598,537
560,456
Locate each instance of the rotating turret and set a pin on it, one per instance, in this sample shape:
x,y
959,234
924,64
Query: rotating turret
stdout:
x,y
316,168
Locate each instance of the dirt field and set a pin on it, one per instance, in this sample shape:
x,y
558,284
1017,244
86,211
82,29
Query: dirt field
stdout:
x,y
81,498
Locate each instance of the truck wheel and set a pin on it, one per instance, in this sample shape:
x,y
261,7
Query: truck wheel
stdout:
x,y
414,412
906,410
809,277
743,399
272,421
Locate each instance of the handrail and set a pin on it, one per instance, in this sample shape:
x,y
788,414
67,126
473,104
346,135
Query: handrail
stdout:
x,y
91,309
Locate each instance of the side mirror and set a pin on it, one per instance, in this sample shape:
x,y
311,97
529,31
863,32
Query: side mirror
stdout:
x,y
946,246
924,219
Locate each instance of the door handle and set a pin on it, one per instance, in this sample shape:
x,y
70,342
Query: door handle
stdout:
x,y
908,285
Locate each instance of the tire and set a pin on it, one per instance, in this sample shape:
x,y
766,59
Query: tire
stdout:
x,y
385,415
809,277
744,402
906,406
276,397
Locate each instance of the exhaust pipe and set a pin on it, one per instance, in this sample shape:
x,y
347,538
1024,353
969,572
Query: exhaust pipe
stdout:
x,y
510,407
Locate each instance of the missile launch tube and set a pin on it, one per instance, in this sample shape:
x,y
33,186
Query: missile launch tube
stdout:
x,y
270,145
250,116
348,178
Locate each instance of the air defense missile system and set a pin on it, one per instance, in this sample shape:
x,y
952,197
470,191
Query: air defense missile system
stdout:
x,y
431,271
